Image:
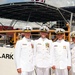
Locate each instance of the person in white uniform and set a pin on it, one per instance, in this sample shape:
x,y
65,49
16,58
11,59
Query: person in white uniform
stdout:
x,y
73,52
62,54
44,53
24,53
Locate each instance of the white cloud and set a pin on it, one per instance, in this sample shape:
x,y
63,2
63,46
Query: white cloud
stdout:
x,y
61,3
57,3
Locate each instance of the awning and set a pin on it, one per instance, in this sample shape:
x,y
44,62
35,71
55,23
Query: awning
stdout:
x,y
70,8
33,12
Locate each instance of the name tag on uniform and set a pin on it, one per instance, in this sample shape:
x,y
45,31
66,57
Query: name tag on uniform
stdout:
x,y
24,44
39,43
55,45
64,47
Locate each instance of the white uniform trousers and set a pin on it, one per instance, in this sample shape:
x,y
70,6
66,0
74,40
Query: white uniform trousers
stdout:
x,y
73,71
42,71
61,72
26,73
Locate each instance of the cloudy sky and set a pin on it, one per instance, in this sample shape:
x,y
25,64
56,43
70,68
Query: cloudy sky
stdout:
x,y
58,3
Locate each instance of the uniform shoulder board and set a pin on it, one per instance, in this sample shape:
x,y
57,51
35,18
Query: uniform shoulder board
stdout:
x,y
72,45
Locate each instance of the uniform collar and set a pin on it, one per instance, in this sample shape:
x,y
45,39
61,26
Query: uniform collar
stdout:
x,y
43,39
28,40
60,40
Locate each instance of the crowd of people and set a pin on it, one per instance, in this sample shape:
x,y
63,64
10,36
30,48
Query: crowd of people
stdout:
x,y
43,54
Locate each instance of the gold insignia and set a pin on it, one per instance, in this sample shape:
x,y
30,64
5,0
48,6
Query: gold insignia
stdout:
x,y
73,35
64,47
32,45
47,45
27,30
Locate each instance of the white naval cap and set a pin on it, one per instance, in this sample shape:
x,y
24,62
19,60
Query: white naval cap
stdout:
x,y
27,29
59,31
72,34
44,29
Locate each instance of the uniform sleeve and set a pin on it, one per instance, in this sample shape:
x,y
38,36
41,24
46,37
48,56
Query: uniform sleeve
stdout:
x,y
52,53
69,55
17,54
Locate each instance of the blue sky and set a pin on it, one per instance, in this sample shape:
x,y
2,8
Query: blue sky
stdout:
x,y
10,1
15,1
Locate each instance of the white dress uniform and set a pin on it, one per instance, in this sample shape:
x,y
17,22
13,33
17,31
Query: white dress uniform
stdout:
x,y
72,47
73,57
62,56
44,56
24,56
